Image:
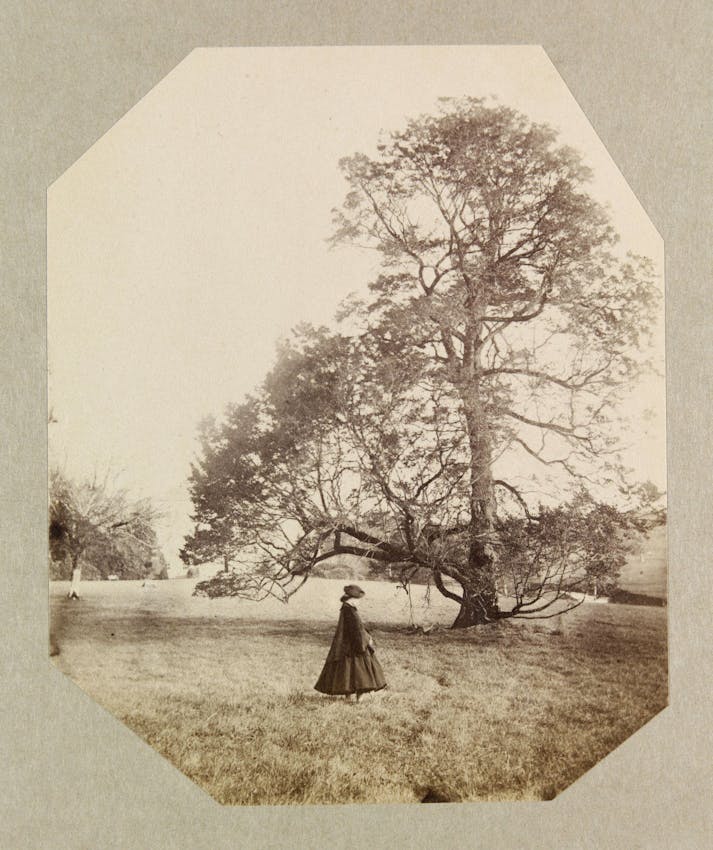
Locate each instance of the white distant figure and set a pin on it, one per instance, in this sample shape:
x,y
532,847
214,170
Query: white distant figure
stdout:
x,y
74,585
148,585
590,597
112,577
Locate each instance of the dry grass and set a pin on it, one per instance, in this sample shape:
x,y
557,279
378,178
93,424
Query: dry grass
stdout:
x,y
223,689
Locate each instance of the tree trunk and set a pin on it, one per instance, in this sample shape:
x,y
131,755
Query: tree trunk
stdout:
x,y
480,599
476,610
76,578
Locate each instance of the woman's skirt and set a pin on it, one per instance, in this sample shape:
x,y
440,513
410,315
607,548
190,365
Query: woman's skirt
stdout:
x,y
351,674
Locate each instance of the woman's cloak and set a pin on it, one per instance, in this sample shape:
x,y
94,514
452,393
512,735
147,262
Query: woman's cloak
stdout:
x,y
351,665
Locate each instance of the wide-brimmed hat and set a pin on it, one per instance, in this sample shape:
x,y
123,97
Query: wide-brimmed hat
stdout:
x,y
354,591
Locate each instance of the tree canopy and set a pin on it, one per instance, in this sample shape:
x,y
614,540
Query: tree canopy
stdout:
x,y
464,418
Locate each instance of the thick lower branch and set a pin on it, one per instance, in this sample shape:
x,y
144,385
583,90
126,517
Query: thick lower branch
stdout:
x,y
438,581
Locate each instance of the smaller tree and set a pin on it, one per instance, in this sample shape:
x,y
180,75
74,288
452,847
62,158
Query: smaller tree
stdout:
x,y
93,522
209,543
565,552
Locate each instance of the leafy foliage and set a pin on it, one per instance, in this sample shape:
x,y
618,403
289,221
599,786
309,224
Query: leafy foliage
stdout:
x,y
98,528
577,547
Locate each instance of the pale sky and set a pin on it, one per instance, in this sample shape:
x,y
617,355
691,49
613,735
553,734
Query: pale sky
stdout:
x,y
191,236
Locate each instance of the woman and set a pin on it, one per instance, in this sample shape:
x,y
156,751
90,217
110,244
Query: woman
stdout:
x,y
351,666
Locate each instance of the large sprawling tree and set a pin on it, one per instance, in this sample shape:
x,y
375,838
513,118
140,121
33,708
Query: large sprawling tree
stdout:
x,y
471,400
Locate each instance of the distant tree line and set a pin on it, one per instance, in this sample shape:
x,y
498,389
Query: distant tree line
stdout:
x,y
100,531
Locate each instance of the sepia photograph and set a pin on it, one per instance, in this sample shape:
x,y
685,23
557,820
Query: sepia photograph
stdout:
x,y
357,428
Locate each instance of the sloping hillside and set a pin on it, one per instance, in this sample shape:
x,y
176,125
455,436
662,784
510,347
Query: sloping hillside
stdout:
x,y
646,571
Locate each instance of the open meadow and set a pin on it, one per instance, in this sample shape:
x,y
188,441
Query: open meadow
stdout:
x,y
224,690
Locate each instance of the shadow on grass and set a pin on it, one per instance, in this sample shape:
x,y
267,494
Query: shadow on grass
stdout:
x,y
483,635
625,597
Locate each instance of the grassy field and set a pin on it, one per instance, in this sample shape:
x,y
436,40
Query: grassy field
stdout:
x,y
223,689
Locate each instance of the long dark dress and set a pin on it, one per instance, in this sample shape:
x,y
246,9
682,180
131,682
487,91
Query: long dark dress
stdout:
x,y
351,666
